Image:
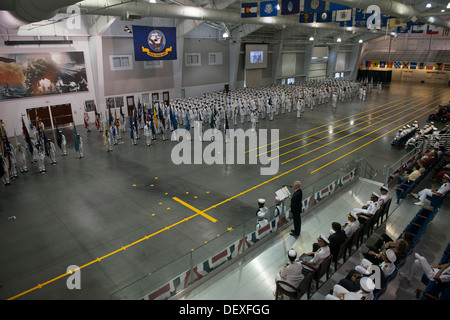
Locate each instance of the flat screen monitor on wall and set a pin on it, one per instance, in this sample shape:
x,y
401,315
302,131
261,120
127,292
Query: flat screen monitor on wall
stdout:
x,y
255,56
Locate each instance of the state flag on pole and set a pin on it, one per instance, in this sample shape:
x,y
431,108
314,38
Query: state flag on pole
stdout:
x,y
368,63
249,10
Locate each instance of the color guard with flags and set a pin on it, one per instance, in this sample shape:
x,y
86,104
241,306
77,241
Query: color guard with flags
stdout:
x,y
97,119
87,125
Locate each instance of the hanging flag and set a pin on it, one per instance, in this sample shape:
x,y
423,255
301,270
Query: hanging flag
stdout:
x,y
173,119
405,65
249,10
390,64
268,8
397,64
27,136
375,63
429,65
446,66
439,66
154,43
313,6
432,29
337,6
382,64
368,63
343,15
306,18
403,29
395,23
290,7
421,65
326,16
413,65
418,28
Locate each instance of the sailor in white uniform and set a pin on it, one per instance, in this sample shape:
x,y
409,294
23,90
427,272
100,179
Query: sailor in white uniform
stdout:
x,y
364,293
291,272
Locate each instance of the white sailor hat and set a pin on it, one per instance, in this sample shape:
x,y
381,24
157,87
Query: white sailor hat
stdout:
x,y
292,253
262,214
384,188
367,284
390,254
261,200
446,176
352,214
277,199
322,237
374,194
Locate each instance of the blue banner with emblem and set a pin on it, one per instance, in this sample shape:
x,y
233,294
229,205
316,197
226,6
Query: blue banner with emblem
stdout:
x,y
154,43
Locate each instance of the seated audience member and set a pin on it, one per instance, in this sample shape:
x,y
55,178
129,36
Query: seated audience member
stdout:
x,y
291,272
336,238
441,191
384,197
352,282
386,242
314,259
387,265
439,273
368,210
411,177
399,246
365,292
352,225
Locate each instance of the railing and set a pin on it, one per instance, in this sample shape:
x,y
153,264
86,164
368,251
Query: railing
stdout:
x,y
179,274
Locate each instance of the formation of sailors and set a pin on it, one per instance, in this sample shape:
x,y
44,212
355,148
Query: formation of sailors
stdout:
x,y
216,110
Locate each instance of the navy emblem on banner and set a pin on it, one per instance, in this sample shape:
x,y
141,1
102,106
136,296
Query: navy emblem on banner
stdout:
x,y
154,43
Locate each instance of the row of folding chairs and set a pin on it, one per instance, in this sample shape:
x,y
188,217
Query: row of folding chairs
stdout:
x,y
346,250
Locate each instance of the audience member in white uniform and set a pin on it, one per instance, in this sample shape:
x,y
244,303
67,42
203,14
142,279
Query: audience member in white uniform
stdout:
x,y
364,293
352,225
441,191
291,272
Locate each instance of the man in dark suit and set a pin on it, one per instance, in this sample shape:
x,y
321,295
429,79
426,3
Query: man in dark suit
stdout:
x,y
296,208
337,238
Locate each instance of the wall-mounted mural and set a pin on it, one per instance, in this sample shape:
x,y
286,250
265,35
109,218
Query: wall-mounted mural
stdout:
x,y
35,74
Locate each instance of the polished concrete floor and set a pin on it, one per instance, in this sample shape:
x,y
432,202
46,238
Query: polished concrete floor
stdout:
x,y
115,216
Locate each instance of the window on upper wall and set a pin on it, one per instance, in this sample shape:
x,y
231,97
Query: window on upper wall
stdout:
x,y
215,58
154,64
192,59
122,62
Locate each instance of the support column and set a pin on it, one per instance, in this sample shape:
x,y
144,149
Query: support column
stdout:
x,y
235,50
354,58
276,57
332,57
308,55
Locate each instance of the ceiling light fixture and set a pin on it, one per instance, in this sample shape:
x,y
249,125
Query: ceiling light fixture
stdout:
x,y
311,38
338,40
360,41
428,5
